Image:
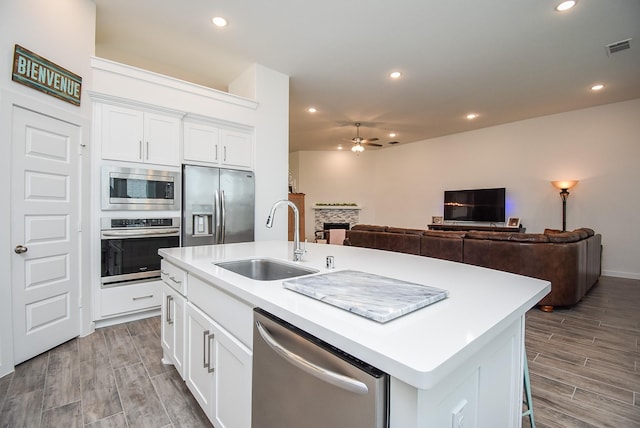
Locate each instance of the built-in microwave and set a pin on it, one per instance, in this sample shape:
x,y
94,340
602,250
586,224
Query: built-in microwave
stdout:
x,y
139,189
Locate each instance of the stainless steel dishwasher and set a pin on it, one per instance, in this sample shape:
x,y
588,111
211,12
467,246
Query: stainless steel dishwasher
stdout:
x,y
301,381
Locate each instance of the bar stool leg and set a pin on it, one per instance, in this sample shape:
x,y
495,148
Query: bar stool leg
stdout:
x,y
527,392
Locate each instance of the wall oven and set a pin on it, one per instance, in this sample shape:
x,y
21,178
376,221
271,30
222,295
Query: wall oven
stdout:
x,y
129,248
139,189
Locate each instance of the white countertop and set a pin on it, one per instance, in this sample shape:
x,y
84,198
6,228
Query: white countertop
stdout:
x,y
420,348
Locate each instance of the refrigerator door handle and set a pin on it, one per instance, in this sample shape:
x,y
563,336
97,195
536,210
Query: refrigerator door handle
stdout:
x,y
216,196
223,212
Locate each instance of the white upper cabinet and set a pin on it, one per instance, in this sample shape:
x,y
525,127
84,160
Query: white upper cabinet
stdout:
x,y
237,148
201,143
139,136
217,145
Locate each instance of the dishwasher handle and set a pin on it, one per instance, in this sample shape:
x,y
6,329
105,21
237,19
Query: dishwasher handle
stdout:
x,y
321,373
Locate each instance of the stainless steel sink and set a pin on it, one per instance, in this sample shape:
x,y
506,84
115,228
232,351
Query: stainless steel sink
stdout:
x,y
262,269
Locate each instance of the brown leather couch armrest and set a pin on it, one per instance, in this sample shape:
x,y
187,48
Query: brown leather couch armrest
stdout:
x,y
589,232
564,237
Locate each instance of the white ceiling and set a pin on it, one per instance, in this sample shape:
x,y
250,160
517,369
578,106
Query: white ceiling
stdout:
x,y
505,60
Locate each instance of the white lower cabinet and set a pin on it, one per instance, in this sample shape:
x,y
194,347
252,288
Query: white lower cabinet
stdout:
x,y
218,371
173,328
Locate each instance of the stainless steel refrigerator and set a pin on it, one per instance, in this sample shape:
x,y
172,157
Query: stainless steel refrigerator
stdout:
x,y
217,206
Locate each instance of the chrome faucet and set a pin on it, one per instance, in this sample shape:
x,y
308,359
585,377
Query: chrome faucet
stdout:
x,y
297,249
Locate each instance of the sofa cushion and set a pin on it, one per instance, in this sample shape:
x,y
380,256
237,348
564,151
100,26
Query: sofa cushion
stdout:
x,y
391,229
369,227
493,236
400,242
361,238
405,230
442,245
445,234
528,237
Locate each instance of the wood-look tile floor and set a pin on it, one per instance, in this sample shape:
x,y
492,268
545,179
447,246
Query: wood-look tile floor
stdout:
x,y
584,364
112,378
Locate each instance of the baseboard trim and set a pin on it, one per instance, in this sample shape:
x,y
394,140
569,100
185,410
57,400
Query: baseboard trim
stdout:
x,y
618,274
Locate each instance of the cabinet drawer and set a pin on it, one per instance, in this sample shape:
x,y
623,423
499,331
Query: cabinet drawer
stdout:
x,y
130,298
174,277
232,314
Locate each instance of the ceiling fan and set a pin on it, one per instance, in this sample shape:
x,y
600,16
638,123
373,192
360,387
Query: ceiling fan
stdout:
x,y
359,142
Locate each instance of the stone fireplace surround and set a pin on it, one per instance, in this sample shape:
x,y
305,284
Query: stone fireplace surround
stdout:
x,y
337,214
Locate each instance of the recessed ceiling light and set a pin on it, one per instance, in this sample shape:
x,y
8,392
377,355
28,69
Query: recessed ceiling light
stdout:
x,y
339,147
393,134
472,116
219,21
566,5
597,87
312,110
395,74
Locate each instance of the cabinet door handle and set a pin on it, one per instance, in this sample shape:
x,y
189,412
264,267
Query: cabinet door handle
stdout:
x,y
210,340
216,152
173,278
147,150
224,158
205,363
140,150
143,297
169,300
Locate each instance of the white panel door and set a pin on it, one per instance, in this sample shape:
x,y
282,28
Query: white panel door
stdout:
x,y
44,232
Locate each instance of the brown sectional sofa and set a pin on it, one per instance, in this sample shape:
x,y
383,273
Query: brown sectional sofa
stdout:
x,y
571,261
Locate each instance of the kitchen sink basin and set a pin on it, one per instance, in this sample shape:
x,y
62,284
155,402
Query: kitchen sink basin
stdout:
x,y
265,269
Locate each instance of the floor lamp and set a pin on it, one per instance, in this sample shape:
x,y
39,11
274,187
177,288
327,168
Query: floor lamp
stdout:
x,y
564,187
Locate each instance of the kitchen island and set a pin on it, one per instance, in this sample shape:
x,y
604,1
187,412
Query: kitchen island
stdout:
x,y
459,357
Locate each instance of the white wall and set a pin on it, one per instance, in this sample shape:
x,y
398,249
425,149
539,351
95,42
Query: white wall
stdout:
x,y
403,185
271,91
62,32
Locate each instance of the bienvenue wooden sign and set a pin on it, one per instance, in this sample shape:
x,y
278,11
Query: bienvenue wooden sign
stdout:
x,y
43,75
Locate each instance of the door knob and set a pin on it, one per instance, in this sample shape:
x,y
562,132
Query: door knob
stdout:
x,y
20,249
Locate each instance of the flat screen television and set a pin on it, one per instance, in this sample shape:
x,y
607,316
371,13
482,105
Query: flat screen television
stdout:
x,y
486,205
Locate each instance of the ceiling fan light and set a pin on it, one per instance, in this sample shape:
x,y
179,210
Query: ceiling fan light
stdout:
x,y
566,5
219,21
357,148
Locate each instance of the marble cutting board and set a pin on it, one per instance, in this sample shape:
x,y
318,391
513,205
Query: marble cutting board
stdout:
x,y
375,297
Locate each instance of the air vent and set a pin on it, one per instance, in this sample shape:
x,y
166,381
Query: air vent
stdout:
x,y
618,46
